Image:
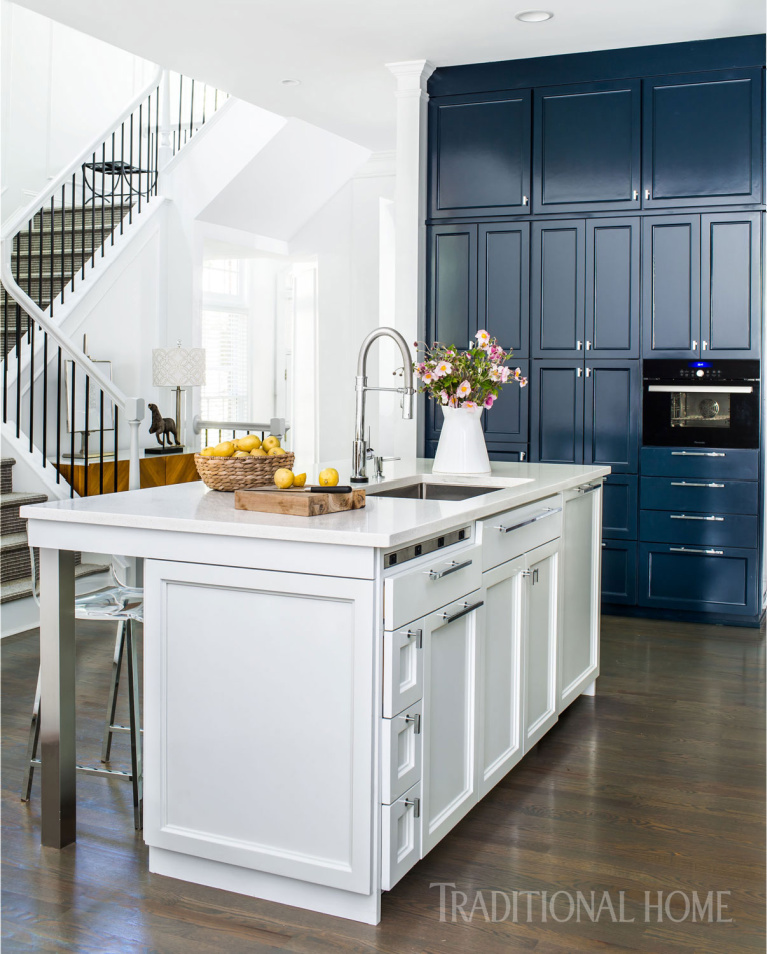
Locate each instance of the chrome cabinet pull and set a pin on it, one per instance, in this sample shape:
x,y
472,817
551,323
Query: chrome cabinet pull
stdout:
x,y
416,634
688,483
416,720
453,568
588,346
635,194
525,200
647,194
467,608
588,372
685,516
415,802
578,372
548,512
578,345
589,488
690,550
705,345
697,454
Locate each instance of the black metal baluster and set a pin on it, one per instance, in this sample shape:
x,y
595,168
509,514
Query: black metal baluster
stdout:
x,y
31,337
85,432
117,456
148,147
82,221
130,184
29,254
140,134
45,396
103,201
156,139
112,222
40,267
191,113
93,216
101,441
58,416
5,355
72,433
72,231
63,232
18,337
180,107
122,175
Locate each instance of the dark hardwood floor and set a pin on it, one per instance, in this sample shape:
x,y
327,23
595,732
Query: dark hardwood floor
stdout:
x,y
655,785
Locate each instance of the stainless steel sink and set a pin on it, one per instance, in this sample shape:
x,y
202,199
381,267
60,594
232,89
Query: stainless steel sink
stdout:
x,y
420,490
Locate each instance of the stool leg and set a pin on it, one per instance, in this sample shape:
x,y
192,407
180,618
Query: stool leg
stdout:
x,y
34,738
106,745
135,728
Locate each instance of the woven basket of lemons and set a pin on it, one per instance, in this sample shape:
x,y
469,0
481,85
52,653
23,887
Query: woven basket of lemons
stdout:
x,y
242,463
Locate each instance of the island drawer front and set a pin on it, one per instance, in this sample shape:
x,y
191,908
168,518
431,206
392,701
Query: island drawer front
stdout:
x,y
703,529
400,753
420,590
692,493
706,462
509,534
402,669
400,836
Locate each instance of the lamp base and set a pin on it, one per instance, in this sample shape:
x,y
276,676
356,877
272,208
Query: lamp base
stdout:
x,y
169,449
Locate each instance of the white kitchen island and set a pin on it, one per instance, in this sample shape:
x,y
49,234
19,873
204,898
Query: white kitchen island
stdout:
x,y
325,698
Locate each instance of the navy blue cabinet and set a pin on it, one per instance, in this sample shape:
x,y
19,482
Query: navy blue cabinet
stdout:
x,y
451,308
702,141
612,287
700,495
611,414
506,421
619,507
556,415
619,572
586,153
730,284
480,154
558,271
504,285
671,286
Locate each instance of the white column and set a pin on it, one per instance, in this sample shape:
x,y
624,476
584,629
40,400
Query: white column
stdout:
x,y
410,232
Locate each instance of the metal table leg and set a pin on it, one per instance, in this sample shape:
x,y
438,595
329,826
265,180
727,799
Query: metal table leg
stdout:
x,y
57,725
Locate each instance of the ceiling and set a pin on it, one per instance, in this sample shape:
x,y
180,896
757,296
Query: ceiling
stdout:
x,y
338,48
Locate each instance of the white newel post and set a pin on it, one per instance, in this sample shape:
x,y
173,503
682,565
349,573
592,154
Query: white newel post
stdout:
x,y
135,414
409,217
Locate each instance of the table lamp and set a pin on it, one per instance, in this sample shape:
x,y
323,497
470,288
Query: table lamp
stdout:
x,y
177,368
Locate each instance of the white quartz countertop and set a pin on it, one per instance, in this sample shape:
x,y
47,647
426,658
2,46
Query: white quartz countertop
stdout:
x,y
384,522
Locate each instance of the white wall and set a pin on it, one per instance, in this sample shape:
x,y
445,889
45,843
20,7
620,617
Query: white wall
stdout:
x,y
60,89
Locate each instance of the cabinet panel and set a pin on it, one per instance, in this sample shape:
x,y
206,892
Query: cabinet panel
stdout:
x,y
619,572
671,286
703,138
730,284
612,414
557,293
619,507
612,287
506,421
701,529
556,417
504,285
400,837
402,669
480,153
400,753
510,453
699,464
452,301
586,153
700,495
540,642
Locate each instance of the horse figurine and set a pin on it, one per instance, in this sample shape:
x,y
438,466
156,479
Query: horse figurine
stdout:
x,y
162,426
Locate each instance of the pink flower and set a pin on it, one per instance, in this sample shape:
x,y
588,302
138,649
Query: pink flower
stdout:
x,y
443,396
443,368
490,400
463,390
429,377
496,374
453,402
469,405
483,339
505,375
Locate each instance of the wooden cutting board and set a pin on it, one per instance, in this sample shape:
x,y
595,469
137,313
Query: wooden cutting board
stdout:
x,y
297,503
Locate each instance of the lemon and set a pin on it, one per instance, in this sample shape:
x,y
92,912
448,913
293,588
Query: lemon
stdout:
x,y
240,453
207,452
271,442
283,478
224,449
276,451
258,452
248,443
299,480
328,477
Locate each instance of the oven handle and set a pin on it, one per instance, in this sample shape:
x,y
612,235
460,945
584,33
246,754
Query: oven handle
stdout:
x,y
701,389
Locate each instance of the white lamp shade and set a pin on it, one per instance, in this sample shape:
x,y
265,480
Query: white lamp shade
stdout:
x,y
178,367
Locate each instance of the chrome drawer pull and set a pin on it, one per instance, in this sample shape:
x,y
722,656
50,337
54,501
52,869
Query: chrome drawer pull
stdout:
x,y
415,802
688,483
589,488
453,568
685,516
467,608
416,720
697,454
690,550
526,523
416,634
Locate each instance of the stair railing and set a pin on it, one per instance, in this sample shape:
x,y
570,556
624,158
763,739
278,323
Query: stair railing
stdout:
x,y
84,207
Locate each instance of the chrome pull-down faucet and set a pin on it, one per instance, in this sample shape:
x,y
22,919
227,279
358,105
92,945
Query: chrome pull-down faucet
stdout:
x,y
360,446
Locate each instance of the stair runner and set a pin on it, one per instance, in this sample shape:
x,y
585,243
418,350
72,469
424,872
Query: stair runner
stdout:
x,y
44,260
15,573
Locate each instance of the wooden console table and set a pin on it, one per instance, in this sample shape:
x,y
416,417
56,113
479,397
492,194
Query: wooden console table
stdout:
x,y
156,471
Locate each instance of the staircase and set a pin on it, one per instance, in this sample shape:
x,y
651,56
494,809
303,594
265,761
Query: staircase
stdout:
x,y
15,572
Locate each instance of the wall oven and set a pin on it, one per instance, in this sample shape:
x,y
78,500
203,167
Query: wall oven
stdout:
x,y
700,403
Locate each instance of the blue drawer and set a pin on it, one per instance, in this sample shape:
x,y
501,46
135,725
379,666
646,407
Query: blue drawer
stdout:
x,y
619,572
619,507
689,494
722,581
709,529
708,462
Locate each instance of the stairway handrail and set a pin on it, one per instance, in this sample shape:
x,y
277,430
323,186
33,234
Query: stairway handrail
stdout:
x,y
20,219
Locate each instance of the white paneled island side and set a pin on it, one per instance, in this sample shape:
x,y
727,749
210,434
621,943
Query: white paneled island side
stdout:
x,y
326,697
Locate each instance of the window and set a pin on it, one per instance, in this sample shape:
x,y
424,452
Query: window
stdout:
x,y
226,339
221,277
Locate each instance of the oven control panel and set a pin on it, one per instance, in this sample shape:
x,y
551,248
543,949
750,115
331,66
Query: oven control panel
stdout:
x,y
701,372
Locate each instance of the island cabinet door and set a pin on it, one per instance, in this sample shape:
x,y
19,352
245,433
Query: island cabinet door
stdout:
x,y
260,720
449,717
499,673
539,650
578,661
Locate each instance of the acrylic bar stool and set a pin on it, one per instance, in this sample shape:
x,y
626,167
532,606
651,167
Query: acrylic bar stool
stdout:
x,y
124,605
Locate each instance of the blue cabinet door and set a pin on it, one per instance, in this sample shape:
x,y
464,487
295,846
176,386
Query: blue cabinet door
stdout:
x,y
506,421
479,154
503,287
612,287
619,507
512,453
586,152
619,572
671,286
731,284
702,139
557,293
556,417
612,398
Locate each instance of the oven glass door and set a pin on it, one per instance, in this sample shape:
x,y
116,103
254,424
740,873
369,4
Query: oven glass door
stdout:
x,y
706,415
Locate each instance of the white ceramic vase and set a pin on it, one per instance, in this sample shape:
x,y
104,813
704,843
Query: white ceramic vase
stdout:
x,y
461,449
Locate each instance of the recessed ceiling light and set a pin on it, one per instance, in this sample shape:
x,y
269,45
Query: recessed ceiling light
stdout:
x,y
534,16
290,82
